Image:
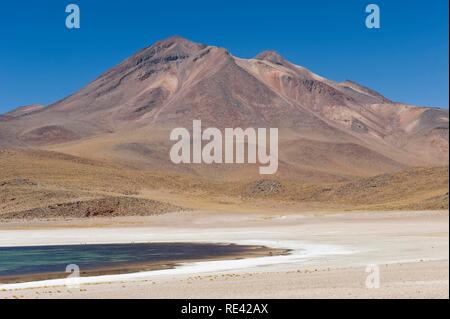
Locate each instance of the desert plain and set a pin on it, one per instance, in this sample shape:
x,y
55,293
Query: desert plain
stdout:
x,y
332,255
360,196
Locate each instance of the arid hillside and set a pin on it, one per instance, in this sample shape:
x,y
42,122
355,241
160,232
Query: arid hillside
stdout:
x,y
104,150
329,131
42,184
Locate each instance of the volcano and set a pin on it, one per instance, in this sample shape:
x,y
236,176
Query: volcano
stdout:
x,y
328,130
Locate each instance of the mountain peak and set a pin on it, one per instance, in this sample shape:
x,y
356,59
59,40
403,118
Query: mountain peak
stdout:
x,y
176,39
175,44
175,81
271,56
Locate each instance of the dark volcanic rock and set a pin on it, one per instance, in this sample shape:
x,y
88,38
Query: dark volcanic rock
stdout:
x,y
102,207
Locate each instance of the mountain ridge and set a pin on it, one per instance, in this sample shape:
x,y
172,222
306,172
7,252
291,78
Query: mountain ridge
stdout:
x,y
174,81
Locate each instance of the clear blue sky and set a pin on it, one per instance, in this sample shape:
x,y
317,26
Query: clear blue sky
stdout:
x,y
406,60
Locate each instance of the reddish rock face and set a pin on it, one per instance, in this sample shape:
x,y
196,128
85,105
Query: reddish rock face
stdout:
x,y
175,81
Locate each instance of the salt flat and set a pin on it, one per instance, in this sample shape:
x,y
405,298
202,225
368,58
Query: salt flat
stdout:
x,y
329,258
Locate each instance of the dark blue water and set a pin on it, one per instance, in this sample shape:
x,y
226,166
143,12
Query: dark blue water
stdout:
x,y
20,261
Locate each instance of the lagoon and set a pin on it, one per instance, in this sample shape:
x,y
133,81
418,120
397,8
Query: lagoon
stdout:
x,y
18,264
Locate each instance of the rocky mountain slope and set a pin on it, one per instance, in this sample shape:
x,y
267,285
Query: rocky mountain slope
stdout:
x,y
329,131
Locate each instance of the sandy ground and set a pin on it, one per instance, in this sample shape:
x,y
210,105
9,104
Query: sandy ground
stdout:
x,y
330,259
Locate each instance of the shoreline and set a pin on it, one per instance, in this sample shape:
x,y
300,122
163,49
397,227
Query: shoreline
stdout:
x,y
297,252
248,251
136,221
329,256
